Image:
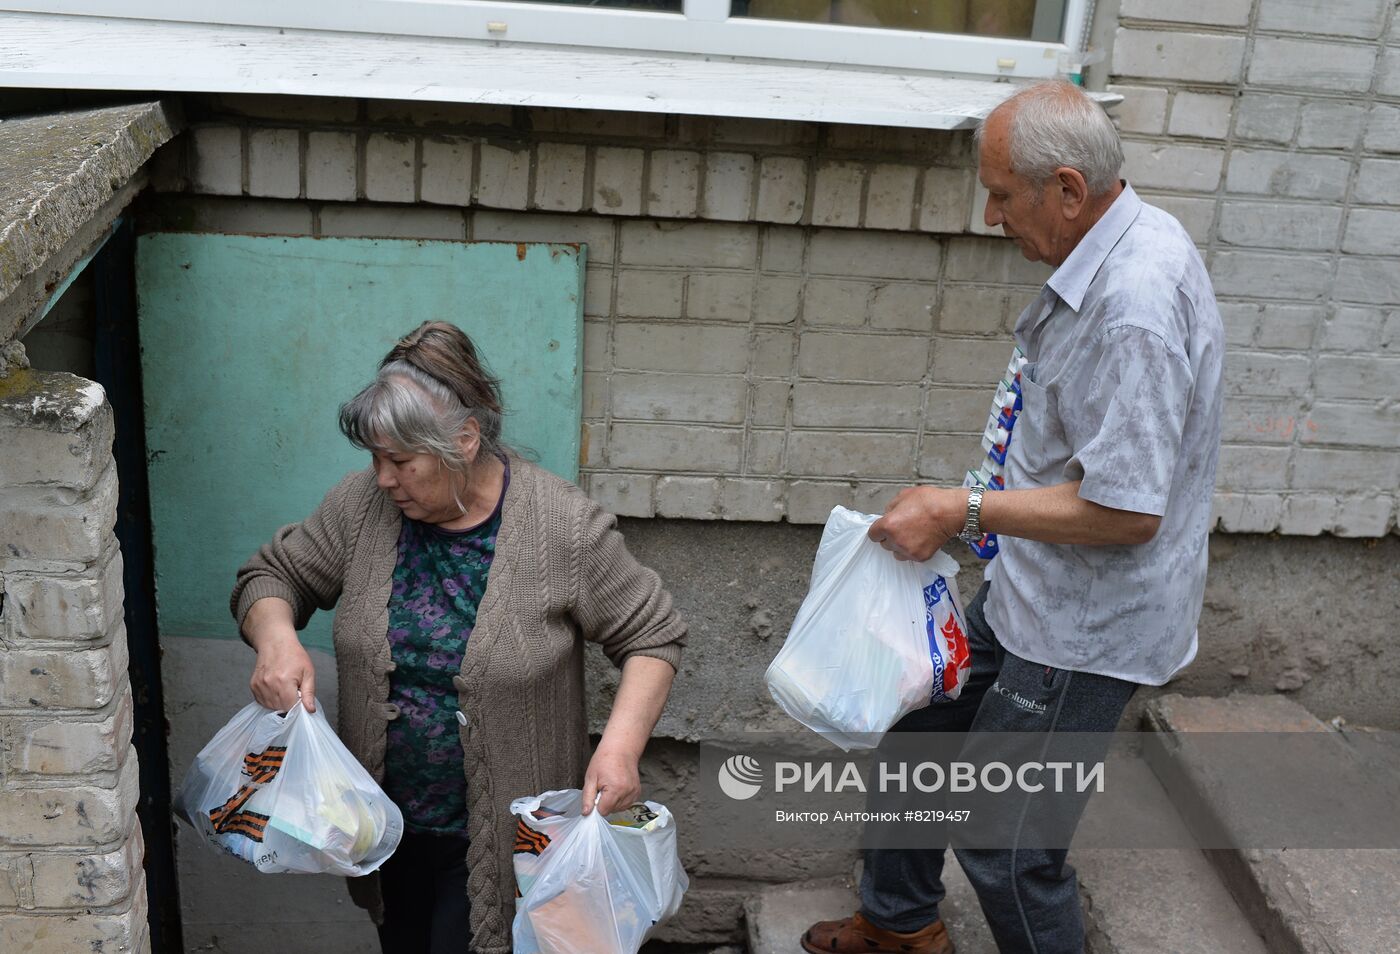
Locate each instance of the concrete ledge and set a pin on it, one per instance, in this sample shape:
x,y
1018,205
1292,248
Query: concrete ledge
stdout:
x,y
1302,898
59,174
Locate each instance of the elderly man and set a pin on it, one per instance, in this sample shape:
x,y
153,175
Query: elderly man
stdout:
x,y
1103,523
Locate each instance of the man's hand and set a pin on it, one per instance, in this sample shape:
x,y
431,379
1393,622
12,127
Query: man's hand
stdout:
x,y
614,773
919,521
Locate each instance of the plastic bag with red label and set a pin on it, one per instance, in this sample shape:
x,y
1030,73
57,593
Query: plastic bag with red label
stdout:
x,y
875,638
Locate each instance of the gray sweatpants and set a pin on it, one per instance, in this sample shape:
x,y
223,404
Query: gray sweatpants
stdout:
x,y
1028,894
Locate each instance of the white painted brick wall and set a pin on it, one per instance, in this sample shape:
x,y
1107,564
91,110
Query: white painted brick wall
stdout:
x,y
720,296
41,526
389,167
1270,172
673,191
504,176
757,500
274,163
1349,18
1213,12
1201,115
728,186
1279,225
85,605
1162,54
71,747
447,171
218,160
1267,117
649,294
1326,124
89,880
946,197
775,324
1143,110
1372,232
70,679
832,301
782,189
690,498
836,197
1340,67
70,845
330,165
705,449
903,307
560,170
58,459
617,181
862,357
890,203
703,398
1160,166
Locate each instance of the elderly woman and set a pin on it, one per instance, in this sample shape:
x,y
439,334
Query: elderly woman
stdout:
x,y
465,580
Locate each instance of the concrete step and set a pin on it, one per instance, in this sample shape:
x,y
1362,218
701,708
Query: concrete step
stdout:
x,y
778,915
1157,899
1149,900
1303,900
1136,901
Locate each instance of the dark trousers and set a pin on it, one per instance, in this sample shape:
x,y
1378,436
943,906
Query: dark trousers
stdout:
x,y
425,896
1028,894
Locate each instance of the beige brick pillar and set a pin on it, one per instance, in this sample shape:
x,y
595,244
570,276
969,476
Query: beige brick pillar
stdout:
x,y
70,846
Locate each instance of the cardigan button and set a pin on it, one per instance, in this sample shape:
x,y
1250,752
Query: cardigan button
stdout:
x,y
461,718
391,711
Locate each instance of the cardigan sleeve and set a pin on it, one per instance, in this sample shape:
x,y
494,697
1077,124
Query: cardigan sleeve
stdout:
x,y
304,563
620,604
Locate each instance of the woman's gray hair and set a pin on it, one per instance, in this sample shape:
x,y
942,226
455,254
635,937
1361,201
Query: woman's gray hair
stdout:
x,y
407,409
1057,125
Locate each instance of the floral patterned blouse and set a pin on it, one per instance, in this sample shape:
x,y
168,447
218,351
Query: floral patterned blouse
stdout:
x,y
439,580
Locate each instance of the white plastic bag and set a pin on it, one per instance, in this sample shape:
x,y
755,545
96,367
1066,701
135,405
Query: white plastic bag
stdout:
x,y
874,639
589,884
282,793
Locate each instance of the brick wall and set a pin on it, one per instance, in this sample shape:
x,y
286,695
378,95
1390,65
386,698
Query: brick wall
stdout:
x,y
1272,129
785,316
70,846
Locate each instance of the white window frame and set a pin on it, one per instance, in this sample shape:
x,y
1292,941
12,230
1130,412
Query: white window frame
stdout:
x,y
704,28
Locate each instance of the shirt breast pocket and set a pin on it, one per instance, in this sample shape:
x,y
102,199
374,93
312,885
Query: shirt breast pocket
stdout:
x,y
1036,440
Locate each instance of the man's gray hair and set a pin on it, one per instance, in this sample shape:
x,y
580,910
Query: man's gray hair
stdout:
x,y
1057,125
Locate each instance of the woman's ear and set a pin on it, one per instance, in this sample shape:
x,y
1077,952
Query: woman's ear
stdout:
x,y
470,441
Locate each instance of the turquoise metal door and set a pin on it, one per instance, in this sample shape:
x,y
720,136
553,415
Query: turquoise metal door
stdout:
x,y
250,344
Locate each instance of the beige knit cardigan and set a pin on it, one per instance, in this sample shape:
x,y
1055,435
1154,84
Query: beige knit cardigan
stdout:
x,y
561,571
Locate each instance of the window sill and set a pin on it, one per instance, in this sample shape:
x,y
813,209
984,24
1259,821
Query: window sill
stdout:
x,y
73,52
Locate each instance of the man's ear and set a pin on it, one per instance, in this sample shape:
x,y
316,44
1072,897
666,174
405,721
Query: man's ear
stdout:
x,y
1074,192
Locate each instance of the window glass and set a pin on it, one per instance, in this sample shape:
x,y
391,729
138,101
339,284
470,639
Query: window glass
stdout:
x,y
664,6
1016,19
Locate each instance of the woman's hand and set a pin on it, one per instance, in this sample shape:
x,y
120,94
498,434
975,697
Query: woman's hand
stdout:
x,y
641,695
283,671
614,773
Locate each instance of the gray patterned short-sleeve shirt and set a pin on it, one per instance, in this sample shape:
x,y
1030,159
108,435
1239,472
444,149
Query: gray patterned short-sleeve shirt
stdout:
x,y
1122,391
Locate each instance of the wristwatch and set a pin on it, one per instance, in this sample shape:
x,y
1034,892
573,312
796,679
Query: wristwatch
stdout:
x,y
972,529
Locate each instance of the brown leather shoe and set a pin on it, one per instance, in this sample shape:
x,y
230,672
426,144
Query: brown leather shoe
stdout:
x,y
856,935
